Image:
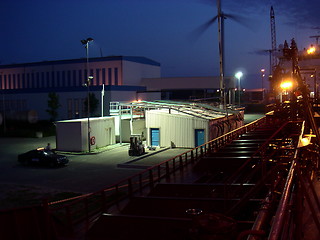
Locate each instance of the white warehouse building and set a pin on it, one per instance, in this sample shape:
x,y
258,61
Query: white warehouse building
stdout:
x,y
25,87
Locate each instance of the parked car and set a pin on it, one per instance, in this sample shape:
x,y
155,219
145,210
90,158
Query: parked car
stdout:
x,y
41,156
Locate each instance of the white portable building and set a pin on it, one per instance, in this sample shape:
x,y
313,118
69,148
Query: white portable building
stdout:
x,y
72,135
171,128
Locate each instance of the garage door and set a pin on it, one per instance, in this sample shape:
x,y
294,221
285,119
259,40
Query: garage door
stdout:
x,y
155,136
199,137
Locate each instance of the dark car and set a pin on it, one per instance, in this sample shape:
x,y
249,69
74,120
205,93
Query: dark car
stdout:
x,y
41,156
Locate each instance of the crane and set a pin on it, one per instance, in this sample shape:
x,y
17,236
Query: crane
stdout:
x,y
317,38
273,39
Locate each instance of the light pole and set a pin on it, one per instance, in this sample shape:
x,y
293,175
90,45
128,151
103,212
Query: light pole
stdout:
x,y
238,75
262,80
85,42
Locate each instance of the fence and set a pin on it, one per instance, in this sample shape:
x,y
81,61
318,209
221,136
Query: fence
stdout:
x,y
79,214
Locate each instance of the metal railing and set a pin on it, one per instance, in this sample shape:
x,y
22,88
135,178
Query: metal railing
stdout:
x,y
79,214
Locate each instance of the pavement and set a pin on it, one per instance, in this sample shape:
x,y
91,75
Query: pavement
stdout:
x,y
85,173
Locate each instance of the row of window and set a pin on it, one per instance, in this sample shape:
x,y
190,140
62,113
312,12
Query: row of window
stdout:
x,y
69,78
13,105
76,108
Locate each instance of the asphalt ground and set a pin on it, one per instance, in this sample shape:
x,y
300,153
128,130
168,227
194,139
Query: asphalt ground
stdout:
x,y
85,173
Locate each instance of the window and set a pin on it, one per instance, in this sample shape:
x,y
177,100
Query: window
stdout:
x,y
63,82
58,82
43,80
52,82
19,84
98,82
23,81
28,85
69,108
38,80
74,77
116,76
109,76
80,78
9,82
85,76
32,82
76,108
104,75
69,79
14,81
48,80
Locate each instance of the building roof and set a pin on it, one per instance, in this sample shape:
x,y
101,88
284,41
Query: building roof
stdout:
x,y
199,110
137,59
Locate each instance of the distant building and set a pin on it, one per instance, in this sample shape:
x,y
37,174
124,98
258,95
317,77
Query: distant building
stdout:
x,y
191,88
25,87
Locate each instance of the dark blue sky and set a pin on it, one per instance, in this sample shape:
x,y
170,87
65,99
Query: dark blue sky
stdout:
x,y
37,30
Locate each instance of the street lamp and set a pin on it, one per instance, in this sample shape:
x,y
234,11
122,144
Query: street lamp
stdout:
x,y
85,42
238,75
262,80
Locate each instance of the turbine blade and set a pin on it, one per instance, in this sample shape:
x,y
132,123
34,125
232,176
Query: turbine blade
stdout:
x,y
195,34
239,19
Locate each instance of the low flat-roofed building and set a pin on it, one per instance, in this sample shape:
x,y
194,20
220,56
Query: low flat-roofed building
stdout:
x,y
26,86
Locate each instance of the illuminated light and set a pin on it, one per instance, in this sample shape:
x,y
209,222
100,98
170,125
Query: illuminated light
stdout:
x,y
238,75
286,85
244,89
304,142
311,50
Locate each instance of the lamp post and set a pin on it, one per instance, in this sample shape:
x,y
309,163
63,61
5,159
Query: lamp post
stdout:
x,y
262,80
238,75
85,42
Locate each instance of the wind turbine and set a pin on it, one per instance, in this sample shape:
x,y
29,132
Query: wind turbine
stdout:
x,y
221,16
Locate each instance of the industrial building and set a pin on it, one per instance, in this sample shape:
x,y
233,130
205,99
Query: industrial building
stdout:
x,y
172,123
24,84
72,135
191,88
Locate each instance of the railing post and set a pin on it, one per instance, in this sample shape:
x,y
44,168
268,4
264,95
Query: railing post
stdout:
x,y
186,158
150,179
192,157
86,204
167,170
130,187
180,163
173,165
69,217
117,195
140,183
159,173
104,200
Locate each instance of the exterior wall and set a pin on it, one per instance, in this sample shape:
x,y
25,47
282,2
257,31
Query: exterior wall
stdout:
x,y
149,96
138,127
133,72
156,84
73,135
175,130
26,86
70,136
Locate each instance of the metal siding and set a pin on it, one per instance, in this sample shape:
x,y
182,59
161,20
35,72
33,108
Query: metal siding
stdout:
x,y
178,129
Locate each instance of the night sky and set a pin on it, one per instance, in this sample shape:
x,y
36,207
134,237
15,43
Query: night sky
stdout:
x,y
163,30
